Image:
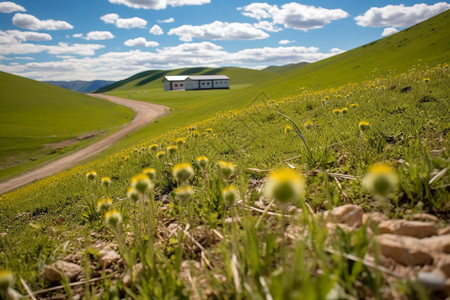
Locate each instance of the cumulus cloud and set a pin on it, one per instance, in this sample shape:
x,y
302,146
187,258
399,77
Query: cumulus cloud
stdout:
x,y
169,20
400,15
285,42
389,31
219,31
140,42
294,15
156,30
158,4
124,23
9,7
95,35
32,23
17,36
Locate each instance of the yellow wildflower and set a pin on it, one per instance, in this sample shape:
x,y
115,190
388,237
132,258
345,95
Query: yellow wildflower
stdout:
x,y
380,179
285,185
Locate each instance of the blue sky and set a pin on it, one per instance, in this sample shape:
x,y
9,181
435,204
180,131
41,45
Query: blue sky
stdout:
x,y
114,39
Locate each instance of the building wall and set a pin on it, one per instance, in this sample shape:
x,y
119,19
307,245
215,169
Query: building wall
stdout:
x,y
221,84
177,85
191,84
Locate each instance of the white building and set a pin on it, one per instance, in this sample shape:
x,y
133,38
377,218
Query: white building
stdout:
x,y
196,82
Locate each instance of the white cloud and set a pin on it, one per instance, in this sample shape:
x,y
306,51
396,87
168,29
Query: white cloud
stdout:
x,y
60,48
158,4
119,65
285,42
17,36
169,20
400,15
156,30
219,31
267,26
140,42
32,23
95,35
124,23
9,7
389,31
294,15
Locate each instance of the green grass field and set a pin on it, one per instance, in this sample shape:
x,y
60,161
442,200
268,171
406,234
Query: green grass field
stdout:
x,y
33,114
233,229
55,217
423,44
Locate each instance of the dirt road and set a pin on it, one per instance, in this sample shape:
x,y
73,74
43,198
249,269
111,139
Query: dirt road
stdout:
x,y
145,113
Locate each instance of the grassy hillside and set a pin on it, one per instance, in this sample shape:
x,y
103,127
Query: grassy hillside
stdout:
x,y
424,43
82,86
154,78
229,235
34,113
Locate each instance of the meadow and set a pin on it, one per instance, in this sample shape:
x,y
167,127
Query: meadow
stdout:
x,y
35,114
212,221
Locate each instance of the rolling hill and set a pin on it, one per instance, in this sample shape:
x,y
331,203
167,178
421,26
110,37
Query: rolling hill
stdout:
x,y
33,114
153,78
82,86
424,43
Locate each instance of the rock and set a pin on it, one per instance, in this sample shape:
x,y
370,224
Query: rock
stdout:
x,y
74,258
443,264
433,281
137,268
107,257
416,229
404,250
348,214
444,231
438,243
425,217
374,218
54,272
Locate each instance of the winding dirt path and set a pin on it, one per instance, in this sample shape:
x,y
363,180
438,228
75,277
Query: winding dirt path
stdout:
x,y
145,113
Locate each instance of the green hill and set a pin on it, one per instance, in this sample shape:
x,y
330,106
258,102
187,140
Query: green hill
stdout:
x,y
427,42
154,78
34,113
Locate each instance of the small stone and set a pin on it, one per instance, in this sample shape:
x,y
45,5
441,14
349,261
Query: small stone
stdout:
x,y
74,258
425,217
416,229
439,243
444,231
443,264
432,281
107,257
137,268
54,272
404,250
348,214
374,218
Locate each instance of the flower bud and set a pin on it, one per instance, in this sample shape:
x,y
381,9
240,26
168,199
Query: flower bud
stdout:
x,y
285,185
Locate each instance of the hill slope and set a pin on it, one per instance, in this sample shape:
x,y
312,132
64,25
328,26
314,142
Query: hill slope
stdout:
x,y
34,113
427,41
82,86
153,78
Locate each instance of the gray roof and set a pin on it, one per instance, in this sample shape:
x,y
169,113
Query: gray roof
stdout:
x,y
208,77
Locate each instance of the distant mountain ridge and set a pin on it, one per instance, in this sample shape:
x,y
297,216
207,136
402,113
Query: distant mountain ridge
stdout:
x,y
82,86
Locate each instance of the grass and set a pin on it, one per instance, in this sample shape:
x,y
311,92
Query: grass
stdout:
x,y
423,44
187,245
33,114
